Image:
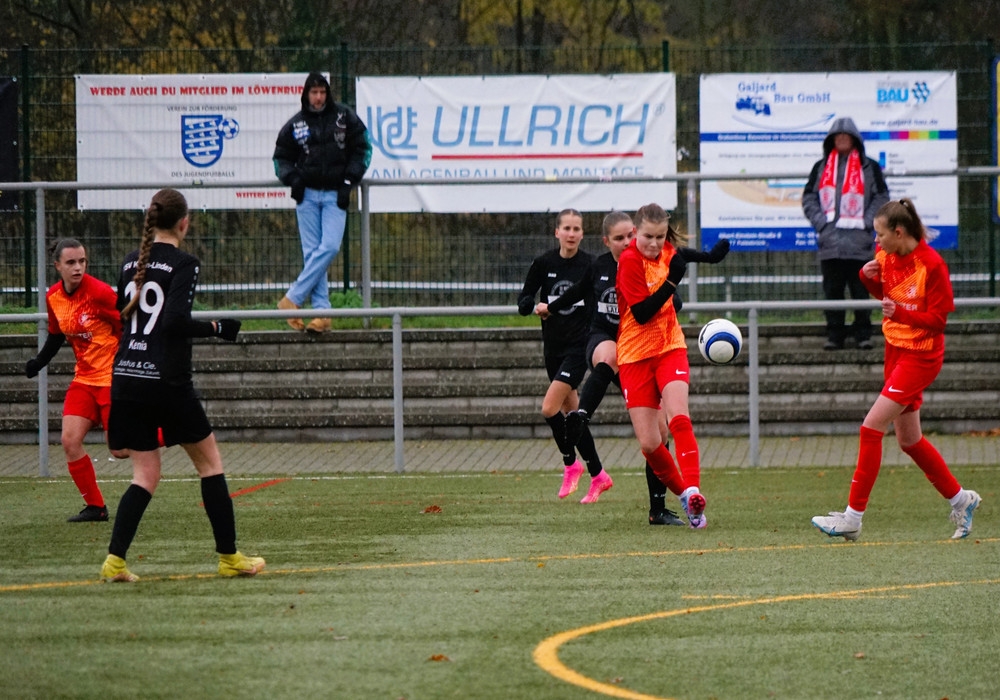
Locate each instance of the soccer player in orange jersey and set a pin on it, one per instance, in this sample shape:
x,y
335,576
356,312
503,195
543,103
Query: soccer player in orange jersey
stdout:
x,y
82,311
652,356
912,281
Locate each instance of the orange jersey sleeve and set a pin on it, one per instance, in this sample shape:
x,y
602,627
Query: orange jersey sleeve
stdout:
x,y
920,285
637,278
89,319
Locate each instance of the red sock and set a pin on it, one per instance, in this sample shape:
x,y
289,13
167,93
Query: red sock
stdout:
x,y
665,469
687,450
82,472
934,467
865,474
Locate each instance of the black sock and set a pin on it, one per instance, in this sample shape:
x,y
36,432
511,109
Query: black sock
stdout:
x,y
588,450
657,491
593,390
558,425
130,510
219,509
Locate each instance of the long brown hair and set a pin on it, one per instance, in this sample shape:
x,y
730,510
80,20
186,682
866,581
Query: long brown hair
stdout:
x,y
656,214
902,213
166,210
61,244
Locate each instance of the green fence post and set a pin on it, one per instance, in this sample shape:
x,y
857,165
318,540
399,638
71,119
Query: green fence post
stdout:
x,y
26,177
666,55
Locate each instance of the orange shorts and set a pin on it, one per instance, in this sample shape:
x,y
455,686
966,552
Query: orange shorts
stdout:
x,y
908,373
90,402
643,381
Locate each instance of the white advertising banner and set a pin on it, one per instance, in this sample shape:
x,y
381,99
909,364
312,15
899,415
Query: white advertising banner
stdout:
x,y
183,129
760,123
526,126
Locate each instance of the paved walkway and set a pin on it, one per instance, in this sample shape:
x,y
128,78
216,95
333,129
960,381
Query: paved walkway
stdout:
x,y
468,456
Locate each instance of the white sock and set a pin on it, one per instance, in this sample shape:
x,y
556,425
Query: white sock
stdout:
x,y
853,514
957,498
689,490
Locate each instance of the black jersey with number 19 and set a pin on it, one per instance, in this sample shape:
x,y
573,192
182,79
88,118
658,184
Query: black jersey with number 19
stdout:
x,y
155,349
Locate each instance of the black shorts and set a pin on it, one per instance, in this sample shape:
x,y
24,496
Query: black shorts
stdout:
x,y
568,369
593,340
133,425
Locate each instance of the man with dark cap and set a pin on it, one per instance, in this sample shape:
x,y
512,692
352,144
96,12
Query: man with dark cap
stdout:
x,y
321,153
845,190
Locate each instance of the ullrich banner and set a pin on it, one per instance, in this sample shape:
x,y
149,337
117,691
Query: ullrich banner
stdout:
x,y
544,127
180,130
8,143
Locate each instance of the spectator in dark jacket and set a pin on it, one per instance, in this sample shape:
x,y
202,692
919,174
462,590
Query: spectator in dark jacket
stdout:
x,y
321,153
845,190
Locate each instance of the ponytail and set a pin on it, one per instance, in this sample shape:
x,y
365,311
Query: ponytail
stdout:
x,y
165,211
903,213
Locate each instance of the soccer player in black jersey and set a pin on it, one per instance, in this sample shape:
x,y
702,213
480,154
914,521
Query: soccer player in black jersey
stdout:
x,y
151,385
564,341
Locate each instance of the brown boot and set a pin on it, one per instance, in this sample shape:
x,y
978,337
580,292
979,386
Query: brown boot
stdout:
x,y
295,323
318,325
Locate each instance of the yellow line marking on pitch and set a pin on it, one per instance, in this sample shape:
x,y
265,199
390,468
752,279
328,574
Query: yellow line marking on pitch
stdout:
x,y
546,654
537,559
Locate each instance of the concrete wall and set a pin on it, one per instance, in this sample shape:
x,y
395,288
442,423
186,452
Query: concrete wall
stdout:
x,y
281,386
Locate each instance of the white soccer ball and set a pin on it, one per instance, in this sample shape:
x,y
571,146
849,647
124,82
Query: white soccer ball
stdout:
x,y
720,341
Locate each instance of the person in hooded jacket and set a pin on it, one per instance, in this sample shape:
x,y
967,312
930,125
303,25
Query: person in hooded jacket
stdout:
x,y
321,153
844,191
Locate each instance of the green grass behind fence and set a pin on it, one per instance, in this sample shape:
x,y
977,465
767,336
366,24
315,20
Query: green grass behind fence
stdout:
x,y
455,586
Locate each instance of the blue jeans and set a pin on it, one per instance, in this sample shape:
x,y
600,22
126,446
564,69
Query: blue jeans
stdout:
x,y
321,228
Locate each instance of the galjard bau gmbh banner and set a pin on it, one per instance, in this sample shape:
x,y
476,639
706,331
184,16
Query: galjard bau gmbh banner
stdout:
x,y
516,127
177,130
776,123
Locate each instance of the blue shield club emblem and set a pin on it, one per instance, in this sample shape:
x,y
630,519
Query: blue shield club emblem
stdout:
x,y
201,139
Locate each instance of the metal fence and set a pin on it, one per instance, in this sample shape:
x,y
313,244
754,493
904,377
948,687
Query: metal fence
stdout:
x,y
752,310
450,259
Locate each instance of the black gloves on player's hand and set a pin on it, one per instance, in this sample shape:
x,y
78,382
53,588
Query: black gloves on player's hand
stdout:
x,y
678,266
525,306
344,195
719,251
298,194
32,367
227,328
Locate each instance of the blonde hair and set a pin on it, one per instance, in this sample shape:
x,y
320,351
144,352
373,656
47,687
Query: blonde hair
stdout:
x,y
165,212
613,219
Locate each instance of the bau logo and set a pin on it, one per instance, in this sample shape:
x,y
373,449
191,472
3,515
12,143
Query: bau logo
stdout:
x,y
202,137
900,93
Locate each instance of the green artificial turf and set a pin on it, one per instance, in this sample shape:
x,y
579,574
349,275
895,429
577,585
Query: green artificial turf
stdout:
x,y
456,586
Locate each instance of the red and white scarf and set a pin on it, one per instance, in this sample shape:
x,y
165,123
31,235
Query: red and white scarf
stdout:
x,y
852,194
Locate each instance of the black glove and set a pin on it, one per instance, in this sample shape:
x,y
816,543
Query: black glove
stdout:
x,y
344,195
678,266
32,367
227,328
719,251
298,185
